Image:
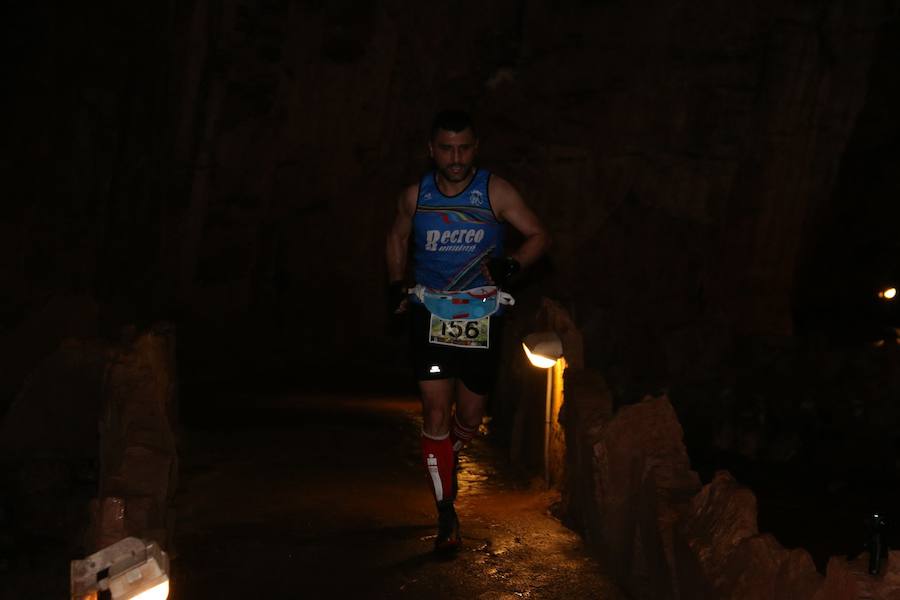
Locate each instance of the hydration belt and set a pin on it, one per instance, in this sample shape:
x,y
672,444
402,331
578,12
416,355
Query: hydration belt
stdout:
x,y
465,305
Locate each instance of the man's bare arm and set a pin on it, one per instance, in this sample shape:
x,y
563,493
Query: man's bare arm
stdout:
x,y
398,236
509,206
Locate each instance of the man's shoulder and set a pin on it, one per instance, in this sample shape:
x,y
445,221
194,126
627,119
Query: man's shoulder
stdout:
x,y
424,180
409,197
411,190
501,189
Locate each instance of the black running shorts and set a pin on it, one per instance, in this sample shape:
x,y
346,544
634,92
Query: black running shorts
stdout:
x,y
475,367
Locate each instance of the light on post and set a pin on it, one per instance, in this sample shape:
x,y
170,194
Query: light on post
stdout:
x,y
544,350
130,569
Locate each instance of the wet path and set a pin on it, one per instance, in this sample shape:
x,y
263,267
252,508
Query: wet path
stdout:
x,y
325,498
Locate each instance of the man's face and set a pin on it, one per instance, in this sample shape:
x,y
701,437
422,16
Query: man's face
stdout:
x,y
453,153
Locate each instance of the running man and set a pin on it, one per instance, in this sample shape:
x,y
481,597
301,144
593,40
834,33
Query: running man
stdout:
x,y
456,215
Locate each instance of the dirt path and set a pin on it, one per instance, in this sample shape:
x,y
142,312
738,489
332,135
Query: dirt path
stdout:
x,y
325,498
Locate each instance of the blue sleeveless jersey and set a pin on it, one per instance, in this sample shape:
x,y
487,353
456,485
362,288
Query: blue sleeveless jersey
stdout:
x,y
454,234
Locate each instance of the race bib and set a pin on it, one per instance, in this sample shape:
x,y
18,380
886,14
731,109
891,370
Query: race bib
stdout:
x,y
464,334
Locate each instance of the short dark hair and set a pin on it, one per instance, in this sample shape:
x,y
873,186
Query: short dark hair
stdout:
x,y
452,119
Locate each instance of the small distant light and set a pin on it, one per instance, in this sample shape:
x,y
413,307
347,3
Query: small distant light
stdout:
x,y
434,369
888,294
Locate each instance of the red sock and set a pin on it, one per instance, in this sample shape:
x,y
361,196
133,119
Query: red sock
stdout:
x,y
437,455
460,435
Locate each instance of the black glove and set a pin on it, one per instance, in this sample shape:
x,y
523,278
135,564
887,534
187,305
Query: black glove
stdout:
x,y
502,269
397,295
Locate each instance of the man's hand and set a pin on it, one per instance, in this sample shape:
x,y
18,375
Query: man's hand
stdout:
x,y
398,298
499,270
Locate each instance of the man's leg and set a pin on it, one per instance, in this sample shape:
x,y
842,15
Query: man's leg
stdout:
x,y
437,453
437,398
467,418
437,449
475,380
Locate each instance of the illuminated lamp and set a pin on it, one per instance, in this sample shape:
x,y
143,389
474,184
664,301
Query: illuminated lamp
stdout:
x,y
544,350
888,293
130,569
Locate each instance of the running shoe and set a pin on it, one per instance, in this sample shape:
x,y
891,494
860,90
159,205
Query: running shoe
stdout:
x,y
448,538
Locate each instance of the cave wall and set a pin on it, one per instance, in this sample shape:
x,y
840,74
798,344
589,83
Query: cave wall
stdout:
x,y
232,165
851,251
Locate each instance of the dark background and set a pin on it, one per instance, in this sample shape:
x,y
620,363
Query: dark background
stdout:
x,y
721,181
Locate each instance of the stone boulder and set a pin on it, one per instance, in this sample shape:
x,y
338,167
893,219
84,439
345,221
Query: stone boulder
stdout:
x,y
138,470
720,553
850,579
630,490
87,453
642,475
587,408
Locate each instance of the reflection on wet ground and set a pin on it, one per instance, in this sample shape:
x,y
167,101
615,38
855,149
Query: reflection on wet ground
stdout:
x,y
326,497
483,469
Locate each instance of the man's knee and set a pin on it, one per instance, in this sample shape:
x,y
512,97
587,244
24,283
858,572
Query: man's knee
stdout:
x,y
470,416
436,402
437,419
469,407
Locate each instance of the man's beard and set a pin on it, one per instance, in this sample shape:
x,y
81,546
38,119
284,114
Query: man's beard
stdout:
x,y
459,176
